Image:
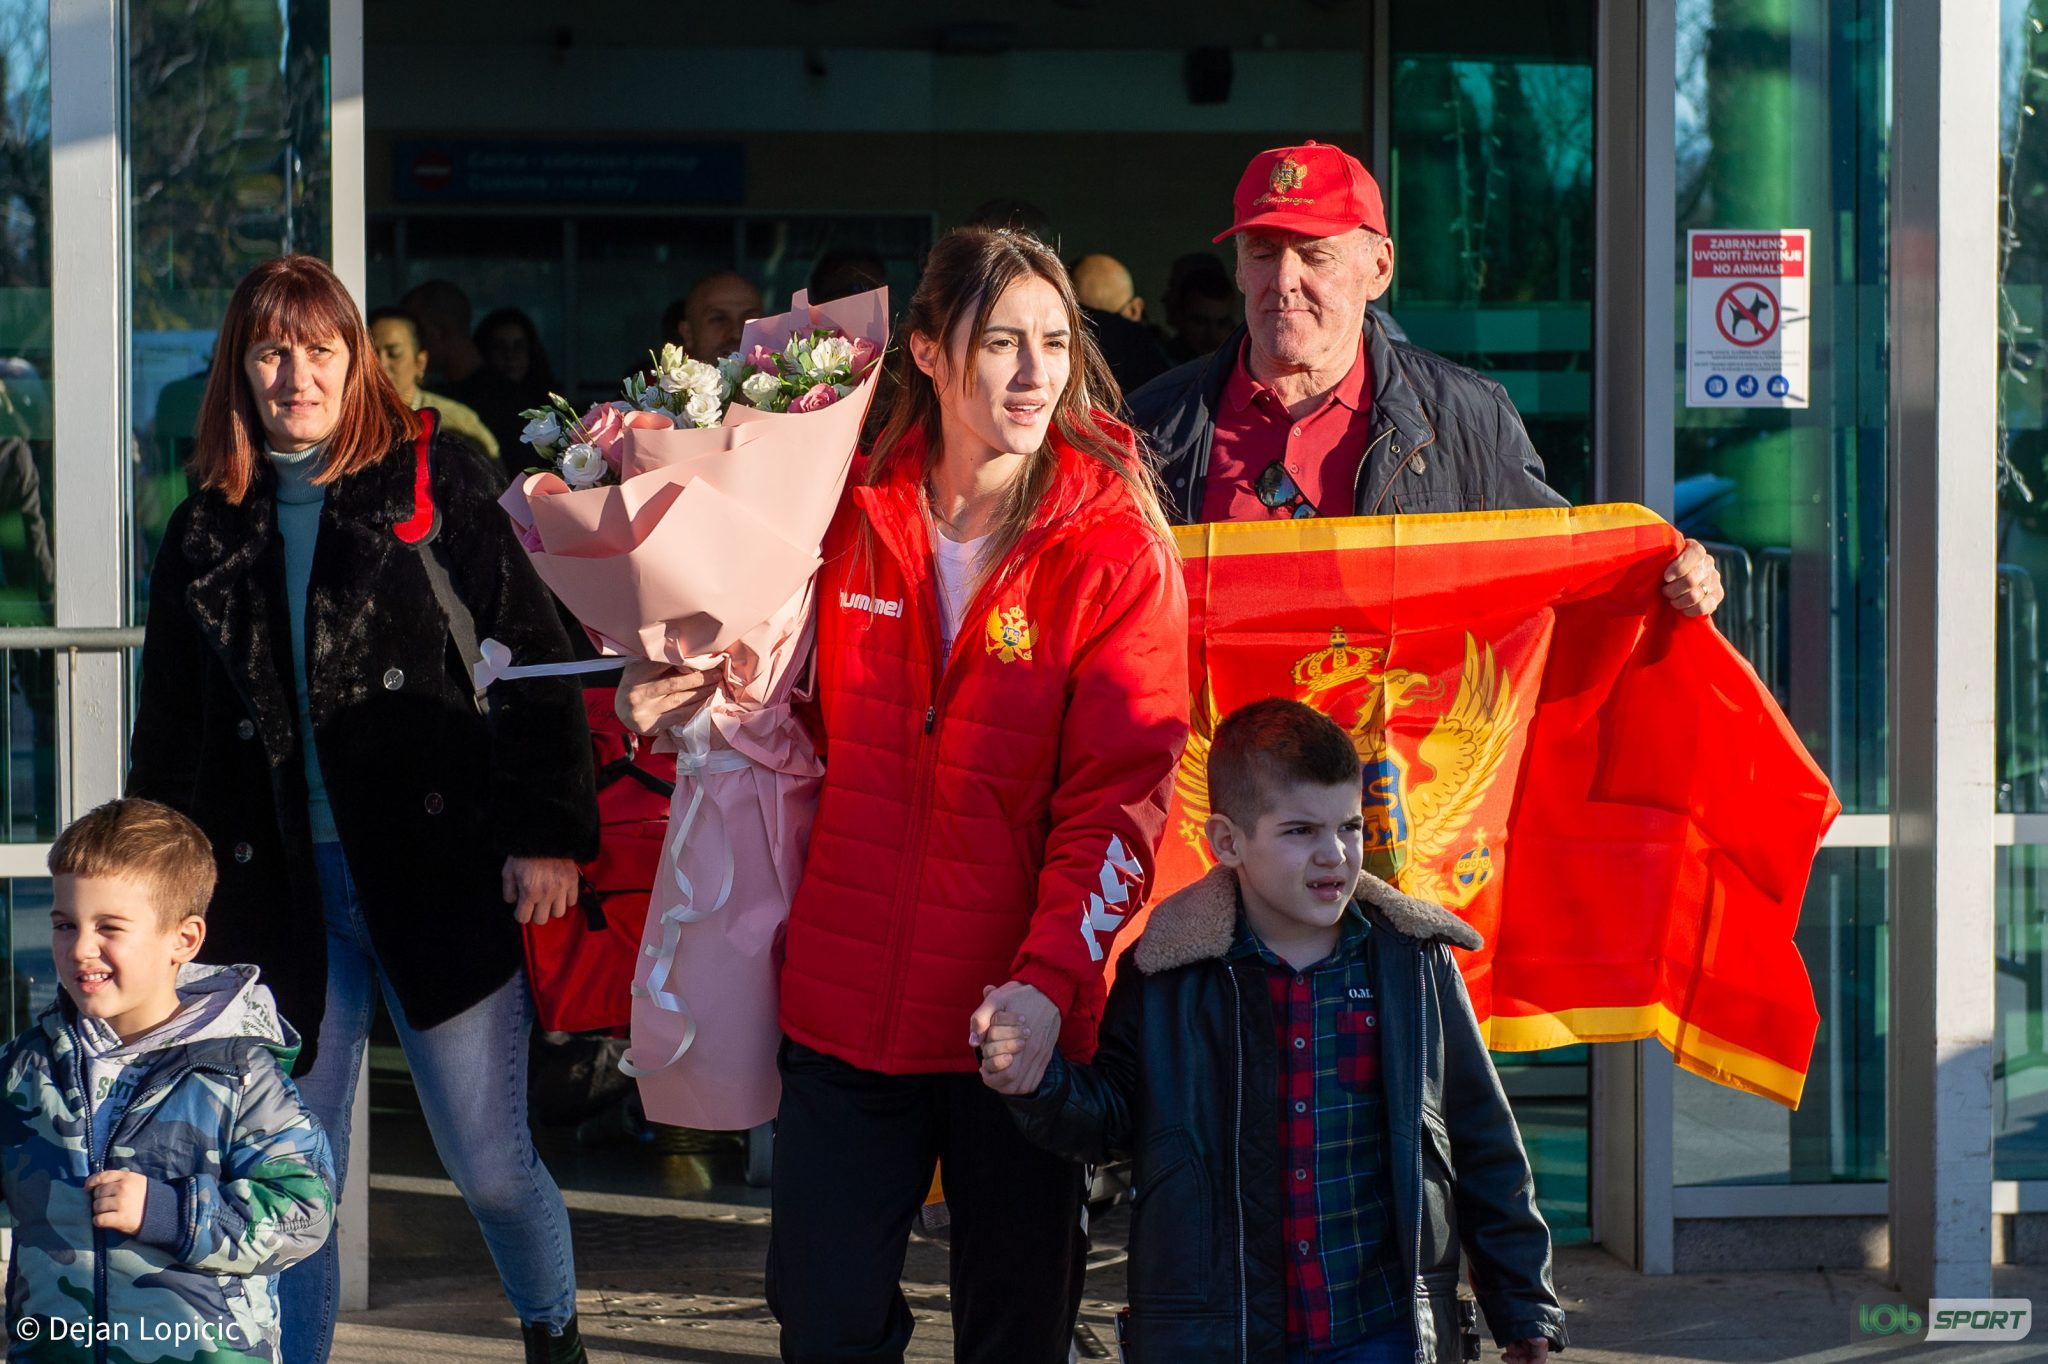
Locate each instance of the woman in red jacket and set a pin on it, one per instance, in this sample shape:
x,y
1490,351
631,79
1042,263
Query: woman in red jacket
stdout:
x,y
1002,666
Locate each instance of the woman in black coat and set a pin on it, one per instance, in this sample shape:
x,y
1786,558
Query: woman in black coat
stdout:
x,y
303,700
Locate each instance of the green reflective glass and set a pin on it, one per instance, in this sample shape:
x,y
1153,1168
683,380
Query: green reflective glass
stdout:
x,y
2020,1042
229,165
2022,410
1781,124
28,735
1490,202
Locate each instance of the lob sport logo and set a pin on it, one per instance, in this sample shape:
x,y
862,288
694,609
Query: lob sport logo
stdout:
x,y
1947,1319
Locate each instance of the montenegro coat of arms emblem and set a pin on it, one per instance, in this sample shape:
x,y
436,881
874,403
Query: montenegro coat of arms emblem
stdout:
x,y
1419,835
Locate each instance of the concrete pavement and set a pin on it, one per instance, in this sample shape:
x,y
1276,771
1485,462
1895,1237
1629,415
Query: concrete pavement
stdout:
x,y
670,1246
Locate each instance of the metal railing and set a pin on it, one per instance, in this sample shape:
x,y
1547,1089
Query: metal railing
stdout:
x,y
39,732
68,644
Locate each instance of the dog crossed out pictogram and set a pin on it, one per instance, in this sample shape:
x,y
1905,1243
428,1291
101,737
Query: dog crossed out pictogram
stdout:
x,y
1747,314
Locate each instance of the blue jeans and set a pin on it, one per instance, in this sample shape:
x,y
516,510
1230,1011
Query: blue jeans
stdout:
x,y
1395,1345
471,1076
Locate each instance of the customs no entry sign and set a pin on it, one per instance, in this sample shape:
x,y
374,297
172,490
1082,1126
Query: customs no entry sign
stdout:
x,y
1748,318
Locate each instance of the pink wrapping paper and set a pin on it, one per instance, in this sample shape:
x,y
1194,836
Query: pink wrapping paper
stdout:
x,y
755,821
709,530
706,553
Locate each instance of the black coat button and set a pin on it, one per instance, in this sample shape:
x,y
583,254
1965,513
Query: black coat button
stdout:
x,y
246,729
393,679
243,852
435,805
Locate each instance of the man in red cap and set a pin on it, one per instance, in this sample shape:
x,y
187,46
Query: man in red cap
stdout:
x,y
1310,409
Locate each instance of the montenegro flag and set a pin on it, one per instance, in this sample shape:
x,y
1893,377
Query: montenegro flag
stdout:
x,y
1600,786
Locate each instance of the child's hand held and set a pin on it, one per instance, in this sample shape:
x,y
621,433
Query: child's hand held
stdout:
x,y
1025,1053
1001,1045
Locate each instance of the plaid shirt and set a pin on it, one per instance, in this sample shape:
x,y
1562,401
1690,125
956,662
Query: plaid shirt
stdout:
x,y
1343,1268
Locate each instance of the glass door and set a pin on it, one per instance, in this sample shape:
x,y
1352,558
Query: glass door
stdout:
x,y
1490,196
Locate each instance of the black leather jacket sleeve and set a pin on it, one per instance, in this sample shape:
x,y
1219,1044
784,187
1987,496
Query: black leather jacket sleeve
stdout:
x,y
1084,1111
1516,469
1503,1235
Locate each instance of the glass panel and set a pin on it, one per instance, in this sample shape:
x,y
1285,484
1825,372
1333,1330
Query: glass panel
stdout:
x,y
31,981
1549,1092
228,166
1722,1136
2020,1044
2022,409
28,738
1490,199
1781,120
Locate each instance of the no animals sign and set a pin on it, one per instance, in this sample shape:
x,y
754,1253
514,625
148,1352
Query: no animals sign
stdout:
x,y
1748,317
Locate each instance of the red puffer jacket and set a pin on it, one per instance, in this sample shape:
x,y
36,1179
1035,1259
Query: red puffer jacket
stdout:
x,y
997,819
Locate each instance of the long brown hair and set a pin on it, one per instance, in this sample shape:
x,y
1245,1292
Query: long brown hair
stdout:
x,y
293,298
965,276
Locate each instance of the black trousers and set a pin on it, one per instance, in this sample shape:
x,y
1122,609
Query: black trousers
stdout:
x,y
854,1151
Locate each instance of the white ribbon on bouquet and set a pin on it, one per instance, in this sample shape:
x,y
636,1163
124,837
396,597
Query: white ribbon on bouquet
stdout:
x,y
495,664
695,760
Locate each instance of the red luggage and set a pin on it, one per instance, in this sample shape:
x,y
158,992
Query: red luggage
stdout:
x,y
581,964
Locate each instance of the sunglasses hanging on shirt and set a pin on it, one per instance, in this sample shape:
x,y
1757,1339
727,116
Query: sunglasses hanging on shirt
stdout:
x,y
1277,489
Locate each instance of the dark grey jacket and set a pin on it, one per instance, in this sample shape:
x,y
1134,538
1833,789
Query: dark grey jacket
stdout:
x,y
1444,438
1186,1080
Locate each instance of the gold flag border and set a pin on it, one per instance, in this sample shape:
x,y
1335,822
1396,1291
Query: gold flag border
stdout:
x,y
1700,1052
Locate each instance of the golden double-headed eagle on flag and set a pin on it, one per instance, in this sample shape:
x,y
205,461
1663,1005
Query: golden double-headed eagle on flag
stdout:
x,y
1421,835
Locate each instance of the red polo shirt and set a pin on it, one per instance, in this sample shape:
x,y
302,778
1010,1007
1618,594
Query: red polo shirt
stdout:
x,y
1320,453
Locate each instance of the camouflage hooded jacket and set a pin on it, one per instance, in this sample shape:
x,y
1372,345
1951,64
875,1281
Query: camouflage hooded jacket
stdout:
x,y
241,1183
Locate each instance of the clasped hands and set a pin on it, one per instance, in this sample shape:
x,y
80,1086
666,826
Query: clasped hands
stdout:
x,y
1013,1032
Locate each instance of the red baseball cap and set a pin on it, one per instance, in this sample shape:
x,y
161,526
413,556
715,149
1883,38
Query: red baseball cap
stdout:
x,y
1313,189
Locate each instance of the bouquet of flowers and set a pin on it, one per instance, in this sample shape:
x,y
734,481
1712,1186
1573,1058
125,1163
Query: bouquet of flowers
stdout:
x,y
814,370
682,522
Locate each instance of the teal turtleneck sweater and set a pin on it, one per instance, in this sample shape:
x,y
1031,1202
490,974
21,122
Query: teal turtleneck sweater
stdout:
x,y
298,525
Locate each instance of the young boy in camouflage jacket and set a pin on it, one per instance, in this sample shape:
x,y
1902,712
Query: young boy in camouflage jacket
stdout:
x,y
157,1167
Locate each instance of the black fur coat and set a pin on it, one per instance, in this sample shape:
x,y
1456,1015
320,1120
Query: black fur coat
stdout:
x,y
428,796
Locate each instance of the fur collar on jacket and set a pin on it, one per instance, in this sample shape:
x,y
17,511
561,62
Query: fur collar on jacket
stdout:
x,y
236,599
1200,922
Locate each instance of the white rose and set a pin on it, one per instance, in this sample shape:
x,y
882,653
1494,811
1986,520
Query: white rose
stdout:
x,y
760,389
703,409
543,431
731,370
831,353
672,369
582,466
699,377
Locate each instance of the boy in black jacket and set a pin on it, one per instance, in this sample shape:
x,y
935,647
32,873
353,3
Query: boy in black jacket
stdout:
x,y
1289,1055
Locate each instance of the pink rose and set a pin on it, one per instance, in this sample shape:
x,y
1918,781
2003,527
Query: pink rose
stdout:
x,y
603,426
820,396
762,359
864,353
